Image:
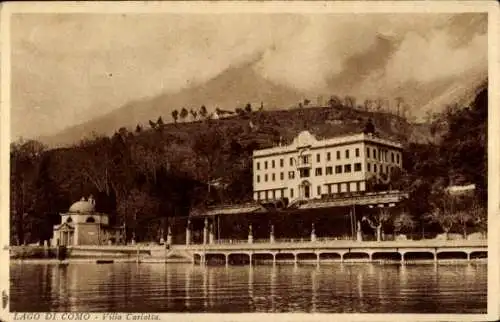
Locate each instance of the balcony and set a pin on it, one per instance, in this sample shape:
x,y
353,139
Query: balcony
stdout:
x,y
304,162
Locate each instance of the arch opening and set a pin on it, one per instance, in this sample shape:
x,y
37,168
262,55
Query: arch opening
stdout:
x,y
329,256
285,258
262,258
415,256
307,258
239,259
452,255
478,255
356,256
215,259
389,256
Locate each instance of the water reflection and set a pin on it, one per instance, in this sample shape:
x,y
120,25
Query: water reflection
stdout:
x,y
187,287
274,273
280,288
314,288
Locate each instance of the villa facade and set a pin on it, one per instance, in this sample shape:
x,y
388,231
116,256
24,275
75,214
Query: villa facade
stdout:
x,y
309,168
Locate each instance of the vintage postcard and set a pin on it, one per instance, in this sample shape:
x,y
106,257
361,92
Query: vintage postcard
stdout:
x,y
230,161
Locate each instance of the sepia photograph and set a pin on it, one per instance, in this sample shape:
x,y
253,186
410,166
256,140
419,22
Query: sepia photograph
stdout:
x,y
237,159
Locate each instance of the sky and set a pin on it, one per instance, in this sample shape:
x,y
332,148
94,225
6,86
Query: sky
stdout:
x,y
70,68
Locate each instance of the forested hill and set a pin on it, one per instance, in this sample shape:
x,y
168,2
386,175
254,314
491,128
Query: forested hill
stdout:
x,y
156,172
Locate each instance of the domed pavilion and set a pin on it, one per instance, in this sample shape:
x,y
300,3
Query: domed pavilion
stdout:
x,y
82,225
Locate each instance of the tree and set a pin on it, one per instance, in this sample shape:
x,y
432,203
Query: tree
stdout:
x,y
404,223
350,102
442,212
136,210
175,115
248,108
160,122
208,145
377,220
184,113
367,104
25,160
152,124
306,102
138,128
194,114
239,111
203,111
379,104
334,101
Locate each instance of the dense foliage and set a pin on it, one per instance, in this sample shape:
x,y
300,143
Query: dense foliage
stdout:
x,y
147,177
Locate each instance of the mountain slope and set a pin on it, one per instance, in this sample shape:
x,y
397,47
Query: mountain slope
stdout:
x,y
234,88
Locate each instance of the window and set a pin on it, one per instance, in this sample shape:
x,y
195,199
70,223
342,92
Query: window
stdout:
x,y
258,165
375,154
282,176
329,170
274,194
357,152
291,174
338,155
397,158
267,196
90,220
291,192
347,168
265,164
282,163
392,157
258,178
318,157
368,167
304,173
273,176
358,186
69,219
357,167
375,168
347,154
338,169
272,164
368,153
265,177
328,156
319,190
319,171
291,161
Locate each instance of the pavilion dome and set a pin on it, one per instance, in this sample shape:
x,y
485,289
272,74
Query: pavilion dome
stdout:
x,y
83,206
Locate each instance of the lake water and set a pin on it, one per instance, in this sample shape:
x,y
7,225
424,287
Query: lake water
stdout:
x,y
332,288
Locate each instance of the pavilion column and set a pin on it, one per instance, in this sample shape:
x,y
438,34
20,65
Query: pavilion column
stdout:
x,y
271,236
75,235
359,236
313,233
188,232
205,232
250,235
